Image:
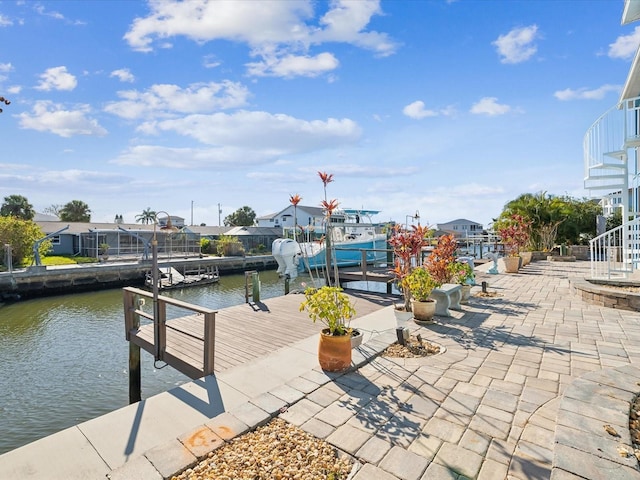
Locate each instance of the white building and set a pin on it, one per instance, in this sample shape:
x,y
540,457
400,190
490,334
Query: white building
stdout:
x,y
611,168
304,216
461,227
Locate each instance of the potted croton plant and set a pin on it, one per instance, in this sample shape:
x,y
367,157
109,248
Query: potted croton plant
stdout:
x,y
334,309
514,234
407,250
420,284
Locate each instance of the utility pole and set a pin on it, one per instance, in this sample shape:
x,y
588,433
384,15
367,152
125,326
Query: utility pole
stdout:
x,y
219,213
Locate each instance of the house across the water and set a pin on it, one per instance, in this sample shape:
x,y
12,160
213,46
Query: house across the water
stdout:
x,y
461,228
132,240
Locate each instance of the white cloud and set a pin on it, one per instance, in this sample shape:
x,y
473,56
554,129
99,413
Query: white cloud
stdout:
x,y
202,21
165,99
293,65
48,13
280,33
57,78
243,138
278,134
625,46
517,45
124,75
201,158
14,89
210,61
489,106
5,21
347,21
49,117
584,94
5,68
417,111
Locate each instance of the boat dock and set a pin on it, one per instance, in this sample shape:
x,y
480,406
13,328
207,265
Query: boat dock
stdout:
x,y
169,277
205,341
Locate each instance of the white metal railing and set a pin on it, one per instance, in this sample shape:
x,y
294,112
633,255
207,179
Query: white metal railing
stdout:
x,y
608,139
616,253
605,135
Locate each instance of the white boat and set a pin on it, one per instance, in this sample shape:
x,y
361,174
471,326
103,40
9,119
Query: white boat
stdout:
x,y
351,232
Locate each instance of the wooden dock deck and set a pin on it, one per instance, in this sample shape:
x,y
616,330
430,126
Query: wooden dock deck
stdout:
x,y
241,333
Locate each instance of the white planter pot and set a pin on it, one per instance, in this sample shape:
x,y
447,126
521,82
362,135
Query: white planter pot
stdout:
x,y
356,338
402,316
466,293
423,312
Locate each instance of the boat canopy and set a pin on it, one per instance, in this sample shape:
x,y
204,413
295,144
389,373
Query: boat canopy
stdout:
x,y
354,211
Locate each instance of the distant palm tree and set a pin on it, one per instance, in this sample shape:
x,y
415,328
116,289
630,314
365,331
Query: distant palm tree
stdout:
x,y
147,216
17,206
75,211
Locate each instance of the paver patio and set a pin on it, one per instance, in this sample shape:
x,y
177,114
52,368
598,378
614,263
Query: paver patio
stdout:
x,y
527,381
487,407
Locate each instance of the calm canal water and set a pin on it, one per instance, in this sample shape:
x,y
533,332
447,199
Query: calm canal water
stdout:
x,y
64,359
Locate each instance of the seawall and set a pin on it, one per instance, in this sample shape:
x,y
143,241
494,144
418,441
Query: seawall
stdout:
x,y
38,281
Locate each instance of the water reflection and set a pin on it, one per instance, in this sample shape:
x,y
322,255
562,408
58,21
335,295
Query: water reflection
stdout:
x,y
64,359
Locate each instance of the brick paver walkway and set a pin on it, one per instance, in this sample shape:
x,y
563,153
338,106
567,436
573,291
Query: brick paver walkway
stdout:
x,y
486,408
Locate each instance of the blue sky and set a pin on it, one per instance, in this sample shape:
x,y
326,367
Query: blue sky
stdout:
x,y
450,108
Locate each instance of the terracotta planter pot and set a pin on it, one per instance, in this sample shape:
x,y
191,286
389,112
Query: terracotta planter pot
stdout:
x,y
511,264
526,258
334,352
423,311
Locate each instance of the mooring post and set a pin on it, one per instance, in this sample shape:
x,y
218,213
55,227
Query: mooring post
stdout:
x,y
287,279
132,321
255,281
135,375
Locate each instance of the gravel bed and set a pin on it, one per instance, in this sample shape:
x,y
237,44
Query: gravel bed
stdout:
x,y
277,450
415,347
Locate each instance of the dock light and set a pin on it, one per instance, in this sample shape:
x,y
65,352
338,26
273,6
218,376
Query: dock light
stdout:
x,y
158,353
413,217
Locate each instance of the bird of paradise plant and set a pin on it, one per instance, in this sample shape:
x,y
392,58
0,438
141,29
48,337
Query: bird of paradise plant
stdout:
x,y
326,178
295,200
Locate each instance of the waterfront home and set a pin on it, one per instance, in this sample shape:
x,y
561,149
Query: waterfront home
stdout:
x,y
305,215
461,227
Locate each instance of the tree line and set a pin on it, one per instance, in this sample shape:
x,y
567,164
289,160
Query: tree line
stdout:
x,y
554,219
18,206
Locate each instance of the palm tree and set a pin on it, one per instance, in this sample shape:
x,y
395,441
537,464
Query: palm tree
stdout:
x,y
75,211
147,216
17,206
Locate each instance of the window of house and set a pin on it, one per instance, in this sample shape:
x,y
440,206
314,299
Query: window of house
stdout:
x,y
55,240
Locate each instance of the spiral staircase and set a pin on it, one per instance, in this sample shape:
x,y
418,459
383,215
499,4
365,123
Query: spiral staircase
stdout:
x,y
612,173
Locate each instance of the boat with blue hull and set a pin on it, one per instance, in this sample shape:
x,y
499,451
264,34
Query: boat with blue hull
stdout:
x,y
351,231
